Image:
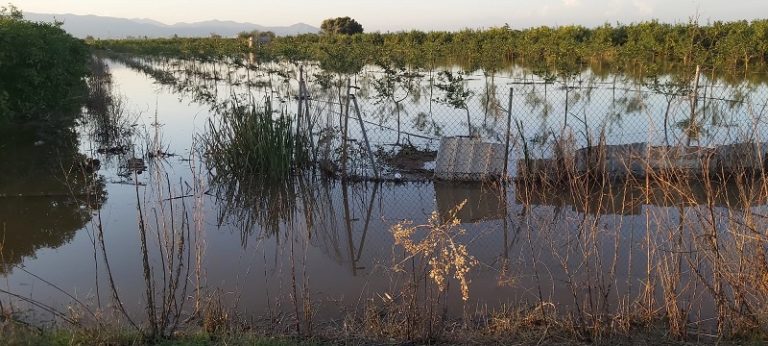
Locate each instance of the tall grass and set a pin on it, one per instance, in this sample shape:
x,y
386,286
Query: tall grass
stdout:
x,y
255,158
248,142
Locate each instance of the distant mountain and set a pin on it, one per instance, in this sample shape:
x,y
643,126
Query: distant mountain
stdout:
x,y
112,27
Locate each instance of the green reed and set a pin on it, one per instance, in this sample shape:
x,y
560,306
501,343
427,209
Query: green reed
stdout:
x,y
250,142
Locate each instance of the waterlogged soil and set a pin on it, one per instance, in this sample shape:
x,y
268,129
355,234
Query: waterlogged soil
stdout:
x,y
335,236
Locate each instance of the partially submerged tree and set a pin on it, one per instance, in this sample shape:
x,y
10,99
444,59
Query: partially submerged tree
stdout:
x,y
456,94
258,36
341,25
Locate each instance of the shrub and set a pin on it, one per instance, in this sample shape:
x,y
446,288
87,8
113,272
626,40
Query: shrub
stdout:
x,y
42,70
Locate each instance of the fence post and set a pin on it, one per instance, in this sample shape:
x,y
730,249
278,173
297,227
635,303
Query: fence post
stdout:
x,y
308,118
694,102
348,224
301,101
565,120
365,136
344,140
508,134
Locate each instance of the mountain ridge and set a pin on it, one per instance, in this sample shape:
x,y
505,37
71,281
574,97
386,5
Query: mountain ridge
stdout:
x,y
105,27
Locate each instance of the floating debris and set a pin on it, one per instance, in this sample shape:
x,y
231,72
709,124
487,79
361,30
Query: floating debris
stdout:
x,y
118,150
136,164
133,165
410,159
160,154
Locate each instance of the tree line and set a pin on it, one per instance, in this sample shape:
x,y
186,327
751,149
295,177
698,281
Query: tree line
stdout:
x,y
729,47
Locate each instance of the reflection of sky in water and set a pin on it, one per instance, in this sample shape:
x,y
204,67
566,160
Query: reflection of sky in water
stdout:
x,y
344,259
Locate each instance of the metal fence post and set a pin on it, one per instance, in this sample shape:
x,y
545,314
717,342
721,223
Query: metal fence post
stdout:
x,y
365,136
298,114
344,140
301,100
308,118
694,101
508,134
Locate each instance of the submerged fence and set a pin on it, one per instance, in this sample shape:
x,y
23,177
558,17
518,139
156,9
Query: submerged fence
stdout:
x,y
384,123
536,121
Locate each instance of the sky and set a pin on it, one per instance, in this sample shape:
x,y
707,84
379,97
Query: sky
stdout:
x,y
395,15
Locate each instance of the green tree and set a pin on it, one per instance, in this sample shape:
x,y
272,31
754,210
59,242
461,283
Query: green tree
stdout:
x,y
341,25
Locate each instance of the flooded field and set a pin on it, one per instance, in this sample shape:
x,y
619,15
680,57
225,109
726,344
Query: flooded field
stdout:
x,y
125,216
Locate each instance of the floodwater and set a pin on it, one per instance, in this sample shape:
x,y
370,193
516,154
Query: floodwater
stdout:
x,y
334,238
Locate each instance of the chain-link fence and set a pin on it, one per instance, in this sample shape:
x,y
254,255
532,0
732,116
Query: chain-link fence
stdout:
x,y
535,120
403,125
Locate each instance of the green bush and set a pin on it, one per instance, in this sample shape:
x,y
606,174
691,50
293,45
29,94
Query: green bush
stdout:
x,y
42,70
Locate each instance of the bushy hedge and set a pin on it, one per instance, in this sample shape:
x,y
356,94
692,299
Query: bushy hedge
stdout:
x,y
42,70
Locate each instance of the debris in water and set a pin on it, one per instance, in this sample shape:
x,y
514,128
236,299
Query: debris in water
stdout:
x,y
159,154
133,165
118,150
136,164
409,158
91,165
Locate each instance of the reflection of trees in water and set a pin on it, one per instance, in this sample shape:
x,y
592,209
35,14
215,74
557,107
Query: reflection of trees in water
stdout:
x,y
107,123
193,79
492,108
33,223
47,191
334,217
629,197
490,98
350,222
255,205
